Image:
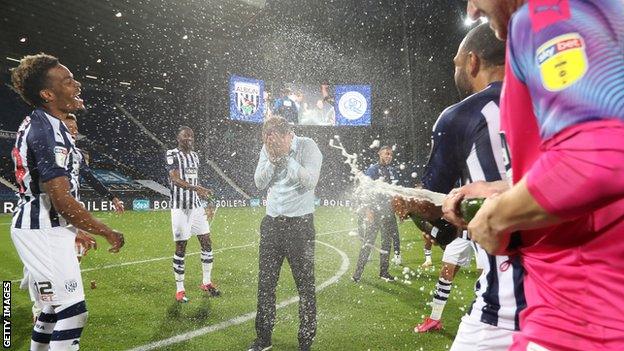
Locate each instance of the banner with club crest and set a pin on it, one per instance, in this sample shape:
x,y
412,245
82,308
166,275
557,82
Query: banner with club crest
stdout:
x,y
353,105
246,99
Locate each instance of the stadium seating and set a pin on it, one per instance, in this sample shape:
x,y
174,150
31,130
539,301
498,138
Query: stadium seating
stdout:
x,y
115,143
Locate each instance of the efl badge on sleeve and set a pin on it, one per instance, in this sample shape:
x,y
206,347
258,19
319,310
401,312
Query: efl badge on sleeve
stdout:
x,y
60,156
562,61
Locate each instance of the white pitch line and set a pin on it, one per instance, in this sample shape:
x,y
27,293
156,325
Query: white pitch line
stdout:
x,y
159,258
15,281
251,315
148,260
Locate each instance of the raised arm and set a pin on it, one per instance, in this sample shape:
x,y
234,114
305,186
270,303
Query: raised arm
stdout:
x,y
308,171
264,170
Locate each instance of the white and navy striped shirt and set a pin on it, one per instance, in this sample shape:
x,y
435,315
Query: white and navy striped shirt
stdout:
x,y
188,167
499,290
467,147
43,150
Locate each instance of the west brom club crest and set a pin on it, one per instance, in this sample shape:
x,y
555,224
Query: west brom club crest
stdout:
x,y
247,97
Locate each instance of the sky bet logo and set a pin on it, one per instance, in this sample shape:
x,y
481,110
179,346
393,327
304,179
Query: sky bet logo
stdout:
x,y
552,50
6,314
562,61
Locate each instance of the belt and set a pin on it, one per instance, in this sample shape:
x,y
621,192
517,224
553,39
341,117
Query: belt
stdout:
x,y
291,219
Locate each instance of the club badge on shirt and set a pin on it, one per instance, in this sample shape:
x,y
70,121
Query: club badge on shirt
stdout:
x,y
562,61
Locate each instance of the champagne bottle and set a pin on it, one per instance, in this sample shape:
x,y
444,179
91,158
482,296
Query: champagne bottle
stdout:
x,y
469,208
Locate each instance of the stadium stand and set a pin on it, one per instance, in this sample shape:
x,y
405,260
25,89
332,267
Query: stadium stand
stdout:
x,y
134,147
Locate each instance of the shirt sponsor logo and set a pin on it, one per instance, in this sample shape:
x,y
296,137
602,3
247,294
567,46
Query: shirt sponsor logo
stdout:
x,y
562,61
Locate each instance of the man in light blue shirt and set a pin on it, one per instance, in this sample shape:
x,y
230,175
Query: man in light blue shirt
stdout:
x,y
289,167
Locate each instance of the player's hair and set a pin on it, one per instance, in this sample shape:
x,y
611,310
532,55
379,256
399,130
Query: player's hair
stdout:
x,y
276,124
385,147
482,41
183,128
30,77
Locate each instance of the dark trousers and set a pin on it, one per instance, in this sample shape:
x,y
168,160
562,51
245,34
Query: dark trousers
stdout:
x,y
386,223
393,229
293,239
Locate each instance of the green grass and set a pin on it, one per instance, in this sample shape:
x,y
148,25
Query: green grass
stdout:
x,y
133,304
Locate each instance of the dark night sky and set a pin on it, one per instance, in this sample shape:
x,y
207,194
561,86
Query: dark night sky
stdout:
x,y
403,48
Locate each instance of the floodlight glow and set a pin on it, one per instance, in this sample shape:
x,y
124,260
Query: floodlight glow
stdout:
x,y
468,22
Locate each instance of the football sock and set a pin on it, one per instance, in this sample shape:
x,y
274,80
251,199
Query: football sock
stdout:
x,y
206,260
427,255
443,290
71,319
178,271
42,330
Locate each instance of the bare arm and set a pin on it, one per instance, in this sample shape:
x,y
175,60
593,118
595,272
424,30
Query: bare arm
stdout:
x,y
58,190
517,209
502,214
174,175
451,207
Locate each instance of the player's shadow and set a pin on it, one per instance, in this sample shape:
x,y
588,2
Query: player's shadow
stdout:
x,y
388,287
183,317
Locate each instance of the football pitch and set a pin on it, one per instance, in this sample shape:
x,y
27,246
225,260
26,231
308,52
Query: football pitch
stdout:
x,y
133,305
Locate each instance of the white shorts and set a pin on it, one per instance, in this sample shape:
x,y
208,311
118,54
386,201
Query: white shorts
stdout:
x,y
458,252
478,336
50,264
185,223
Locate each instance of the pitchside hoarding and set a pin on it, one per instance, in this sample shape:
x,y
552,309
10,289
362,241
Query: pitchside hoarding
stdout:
x,y
144,204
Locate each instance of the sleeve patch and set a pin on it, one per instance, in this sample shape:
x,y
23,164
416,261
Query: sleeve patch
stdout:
x,y
562,61
60,156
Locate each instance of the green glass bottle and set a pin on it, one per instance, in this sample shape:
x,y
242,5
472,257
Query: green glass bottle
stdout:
x,y
469,208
